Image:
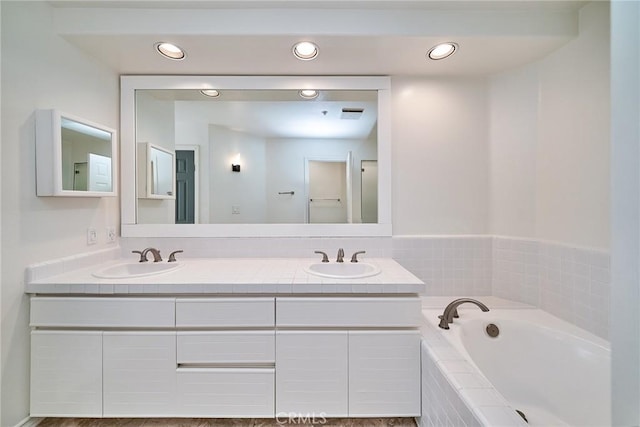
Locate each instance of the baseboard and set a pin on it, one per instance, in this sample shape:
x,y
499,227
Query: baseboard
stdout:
x,y
29,422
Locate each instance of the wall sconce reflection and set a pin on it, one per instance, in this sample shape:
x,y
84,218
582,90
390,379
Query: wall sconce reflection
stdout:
x,y
235,163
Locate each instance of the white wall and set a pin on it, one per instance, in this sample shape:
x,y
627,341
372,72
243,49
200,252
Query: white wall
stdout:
x,y
245,189
549,138
625,212
440,155
513,135
41,70
573,145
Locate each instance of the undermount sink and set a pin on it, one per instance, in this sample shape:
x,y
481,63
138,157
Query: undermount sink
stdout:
x,y
128,270
345,270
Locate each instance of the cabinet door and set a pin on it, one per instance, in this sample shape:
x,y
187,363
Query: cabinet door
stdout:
x,y
311,373
226,392
139,374
384,373
66,373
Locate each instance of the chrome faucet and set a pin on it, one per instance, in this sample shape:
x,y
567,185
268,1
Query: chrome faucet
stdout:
x,y
143,254
451,310
354,257
325,258
340,255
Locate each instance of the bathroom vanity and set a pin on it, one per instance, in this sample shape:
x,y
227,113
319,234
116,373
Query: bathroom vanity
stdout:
x,y
225,338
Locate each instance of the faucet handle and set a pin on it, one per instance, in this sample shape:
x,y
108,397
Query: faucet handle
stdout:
x,y
143,257
172,255
354,257
325,258
340,255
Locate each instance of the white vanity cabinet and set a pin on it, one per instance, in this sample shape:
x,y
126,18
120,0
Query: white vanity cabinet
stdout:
x,y
226,366
139,373
66,373
384,373
348,373
364,369
229,357
312,373
94,373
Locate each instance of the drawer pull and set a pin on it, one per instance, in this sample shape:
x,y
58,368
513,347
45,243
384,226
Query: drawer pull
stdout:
x,y
249,365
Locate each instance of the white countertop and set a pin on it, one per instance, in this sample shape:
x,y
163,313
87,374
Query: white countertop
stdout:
x,y
227,276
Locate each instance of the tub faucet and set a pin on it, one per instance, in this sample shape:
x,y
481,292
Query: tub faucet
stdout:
x,y
452,310
340,255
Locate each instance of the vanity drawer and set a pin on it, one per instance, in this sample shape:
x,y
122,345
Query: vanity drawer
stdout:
x,y
349,312
102,312
226,392
231,347
225,312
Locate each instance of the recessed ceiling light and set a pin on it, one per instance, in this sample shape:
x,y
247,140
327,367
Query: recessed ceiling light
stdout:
x,y
443,50
210,92
305,50
170,51
309,93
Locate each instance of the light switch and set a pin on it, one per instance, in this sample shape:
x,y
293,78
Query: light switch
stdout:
x,y
235,209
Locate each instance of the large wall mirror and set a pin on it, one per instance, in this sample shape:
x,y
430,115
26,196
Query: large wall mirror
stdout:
x,y
255,156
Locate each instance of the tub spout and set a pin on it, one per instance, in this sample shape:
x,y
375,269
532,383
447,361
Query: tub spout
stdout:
x,y
451,310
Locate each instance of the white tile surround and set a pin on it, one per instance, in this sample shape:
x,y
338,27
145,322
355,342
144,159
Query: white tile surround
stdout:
x,y
454,392
572,283
442,405
569,282
228,276
272,247
449,265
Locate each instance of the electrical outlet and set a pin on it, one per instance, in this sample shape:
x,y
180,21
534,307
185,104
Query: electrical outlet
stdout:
x,y
235,209
111,234
92,236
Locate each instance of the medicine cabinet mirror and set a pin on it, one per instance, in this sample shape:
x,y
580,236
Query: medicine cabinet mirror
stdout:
x,y
258,159
74,157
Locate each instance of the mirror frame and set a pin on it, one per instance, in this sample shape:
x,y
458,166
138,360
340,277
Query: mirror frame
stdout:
x,y
128,87
49,155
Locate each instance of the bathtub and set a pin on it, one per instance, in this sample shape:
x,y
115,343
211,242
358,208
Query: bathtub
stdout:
x,y
554,373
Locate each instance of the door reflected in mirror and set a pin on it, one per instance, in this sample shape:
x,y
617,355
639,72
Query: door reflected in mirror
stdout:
x,y
86,157
256,151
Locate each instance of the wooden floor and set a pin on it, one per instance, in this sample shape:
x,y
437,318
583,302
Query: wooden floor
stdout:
x,y
224,422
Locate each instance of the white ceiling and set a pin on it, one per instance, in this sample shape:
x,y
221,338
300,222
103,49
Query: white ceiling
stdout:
x,y
355,37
